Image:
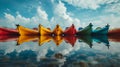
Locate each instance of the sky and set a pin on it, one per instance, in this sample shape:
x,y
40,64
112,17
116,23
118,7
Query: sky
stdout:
x,y
31,13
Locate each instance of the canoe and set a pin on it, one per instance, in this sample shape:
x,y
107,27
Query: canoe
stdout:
x,y
23,39
86,39
57,40
26,31
57,31
44,31
44,39
99,30
8,31
70,30
70,39
85,31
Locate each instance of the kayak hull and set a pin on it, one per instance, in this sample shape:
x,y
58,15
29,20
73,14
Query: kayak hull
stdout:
x,y
44,31
70,30
26,31
7,31
85,31
102,31
57,31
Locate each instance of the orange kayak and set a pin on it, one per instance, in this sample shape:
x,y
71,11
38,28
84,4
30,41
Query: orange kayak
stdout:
x,y
57,31
44,31
26,31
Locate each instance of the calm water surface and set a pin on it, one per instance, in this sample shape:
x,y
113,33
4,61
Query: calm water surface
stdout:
x,y
86,52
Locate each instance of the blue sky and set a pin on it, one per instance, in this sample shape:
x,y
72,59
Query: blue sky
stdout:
x,y
30,13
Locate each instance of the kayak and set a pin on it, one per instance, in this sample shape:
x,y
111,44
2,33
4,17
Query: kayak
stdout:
x,y
44,31
114,35
57,40
23,39
8,31
26,31
85,31
57,31
103,30
43,39
70,39
70,30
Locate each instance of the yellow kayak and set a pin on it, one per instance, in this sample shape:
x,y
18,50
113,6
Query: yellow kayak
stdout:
x,y
58,40
23,39
44,39
44,31
26,31
57,31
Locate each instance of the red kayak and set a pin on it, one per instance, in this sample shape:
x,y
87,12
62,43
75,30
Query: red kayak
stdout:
x,y
114,35
70,30
70,39
8,31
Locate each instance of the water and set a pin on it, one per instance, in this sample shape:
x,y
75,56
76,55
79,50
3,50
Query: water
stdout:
x,y
84,51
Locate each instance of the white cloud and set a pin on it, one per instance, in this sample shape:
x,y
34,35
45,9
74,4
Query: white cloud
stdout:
x,y
21,20
89,4
8,21
42,14
113,8
62,17
9,17
111,19
40,17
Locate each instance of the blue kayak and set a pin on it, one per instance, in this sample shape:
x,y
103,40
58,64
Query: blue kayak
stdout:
x,y
103,30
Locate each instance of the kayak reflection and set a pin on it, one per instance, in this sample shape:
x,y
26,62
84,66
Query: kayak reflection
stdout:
x,y
71,39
